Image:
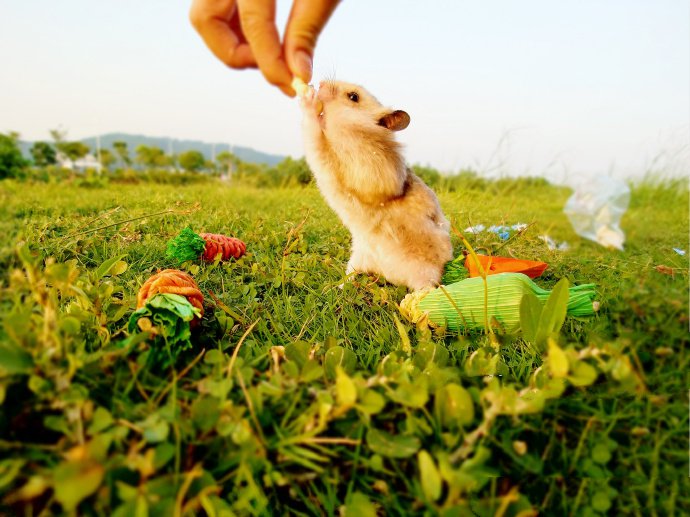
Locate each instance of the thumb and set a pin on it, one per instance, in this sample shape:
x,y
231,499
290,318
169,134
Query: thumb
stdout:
x,y
307,20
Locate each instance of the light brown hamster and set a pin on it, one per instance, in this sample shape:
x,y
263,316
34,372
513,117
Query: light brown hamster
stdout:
x,y
397,226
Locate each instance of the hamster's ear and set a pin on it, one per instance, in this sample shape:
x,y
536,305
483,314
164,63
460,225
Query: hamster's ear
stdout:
x,y
395,120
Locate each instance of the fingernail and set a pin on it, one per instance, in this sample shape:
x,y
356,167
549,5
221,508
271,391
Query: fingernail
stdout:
x,y
304,65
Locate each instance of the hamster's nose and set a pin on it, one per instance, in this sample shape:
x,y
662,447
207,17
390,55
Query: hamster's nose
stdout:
x,y
325,91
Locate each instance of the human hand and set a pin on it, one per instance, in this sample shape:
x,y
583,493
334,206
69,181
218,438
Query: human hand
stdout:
x,y
243,34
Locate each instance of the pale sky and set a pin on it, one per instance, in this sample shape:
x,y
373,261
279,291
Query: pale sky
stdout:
x,y
560,89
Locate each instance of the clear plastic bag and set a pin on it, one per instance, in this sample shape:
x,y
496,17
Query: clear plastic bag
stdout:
x,y
595,210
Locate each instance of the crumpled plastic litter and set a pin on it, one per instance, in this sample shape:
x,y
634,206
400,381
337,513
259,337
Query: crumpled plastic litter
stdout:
x,y
595,210
477,228
679,251
502,231
553,245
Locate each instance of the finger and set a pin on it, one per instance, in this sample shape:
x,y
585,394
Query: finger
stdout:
x,y
257,18
217,22
307,20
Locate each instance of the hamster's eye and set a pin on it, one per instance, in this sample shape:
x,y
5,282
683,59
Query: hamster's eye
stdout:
x,y
353,96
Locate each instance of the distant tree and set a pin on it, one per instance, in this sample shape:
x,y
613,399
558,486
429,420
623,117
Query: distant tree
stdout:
x,y
43,154
253,173
151,156
428,175
227,162
74,150
107,158
122,153
192,161
59,137
294,170
11,160
70,150
173,161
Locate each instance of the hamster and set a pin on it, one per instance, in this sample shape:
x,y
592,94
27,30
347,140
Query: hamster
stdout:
x,y
397,226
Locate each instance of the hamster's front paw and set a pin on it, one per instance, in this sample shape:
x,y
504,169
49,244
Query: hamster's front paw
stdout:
x,y
310,103
307,97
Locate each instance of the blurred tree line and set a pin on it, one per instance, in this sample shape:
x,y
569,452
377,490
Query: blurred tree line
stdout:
x,y
149,163
56,160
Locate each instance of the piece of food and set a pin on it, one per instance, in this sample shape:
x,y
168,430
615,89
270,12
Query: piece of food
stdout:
x,y
207,246
462,306
226,246
454,271
171,281
493,265
169,319
169,306
300,86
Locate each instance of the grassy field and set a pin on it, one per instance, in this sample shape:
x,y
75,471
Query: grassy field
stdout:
x,y
302,398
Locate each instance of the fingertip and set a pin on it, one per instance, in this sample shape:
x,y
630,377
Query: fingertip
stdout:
x,y
288,90
278,74
301,65
307,20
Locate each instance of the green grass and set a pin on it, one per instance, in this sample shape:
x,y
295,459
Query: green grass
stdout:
x,y
315,399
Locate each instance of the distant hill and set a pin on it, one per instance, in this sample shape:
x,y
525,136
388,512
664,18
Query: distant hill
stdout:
x,y
245,154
